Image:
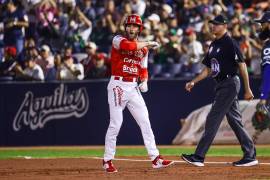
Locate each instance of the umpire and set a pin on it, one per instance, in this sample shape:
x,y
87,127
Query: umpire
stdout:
x,y
222,61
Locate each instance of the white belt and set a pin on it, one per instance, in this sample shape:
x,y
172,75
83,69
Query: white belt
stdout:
x,y
124,79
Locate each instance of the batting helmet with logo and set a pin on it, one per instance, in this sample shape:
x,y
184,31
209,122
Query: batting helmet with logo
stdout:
x,y
134,19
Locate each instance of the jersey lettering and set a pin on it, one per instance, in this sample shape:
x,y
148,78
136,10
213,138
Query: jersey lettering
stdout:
x,y
266,51
132,61
126,62
130,70
265,56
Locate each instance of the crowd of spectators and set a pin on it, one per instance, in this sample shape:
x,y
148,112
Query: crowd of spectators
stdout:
x,y
71,39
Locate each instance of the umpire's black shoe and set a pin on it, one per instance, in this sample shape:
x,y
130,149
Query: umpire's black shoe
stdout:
x,y
193,159
246,162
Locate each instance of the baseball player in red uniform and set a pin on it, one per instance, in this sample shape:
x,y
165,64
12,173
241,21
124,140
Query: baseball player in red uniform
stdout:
x,y
129,66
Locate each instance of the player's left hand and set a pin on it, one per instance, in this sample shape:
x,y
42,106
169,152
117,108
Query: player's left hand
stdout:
x,y
248,95
143,86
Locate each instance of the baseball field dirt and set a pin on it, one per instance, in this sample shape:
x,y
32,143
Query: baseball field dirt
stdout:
x,y
89,168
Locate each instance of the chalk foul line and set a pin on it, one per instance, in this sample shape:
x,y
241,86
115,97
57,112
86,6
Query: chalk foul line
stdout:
x,y
176,161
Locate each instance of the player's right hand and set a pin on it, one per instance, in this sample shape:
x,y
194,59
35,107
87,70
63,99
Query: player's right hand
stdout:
x,y
153,45
189,86
248,95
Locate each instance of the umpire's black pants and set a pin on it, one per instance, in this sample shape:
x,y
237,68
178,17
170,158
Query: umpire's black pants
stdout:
x,y
226,103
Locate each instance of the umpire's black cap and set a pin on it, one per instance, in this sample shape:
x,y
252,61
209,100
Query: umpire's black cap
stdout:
x,y
265,18
219,20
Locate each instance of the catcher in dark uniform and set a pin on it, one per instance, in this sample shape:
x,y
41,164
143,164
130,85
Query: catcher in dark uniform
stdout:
x,y
261,118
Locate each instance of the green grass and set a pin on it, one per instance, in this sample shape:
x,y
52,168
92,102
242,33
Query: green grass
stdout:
x,y
73,152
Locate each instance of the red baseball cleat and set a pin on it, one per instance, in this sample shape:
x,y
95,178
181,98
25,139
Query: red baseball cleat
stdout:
x,y
159,162
109,167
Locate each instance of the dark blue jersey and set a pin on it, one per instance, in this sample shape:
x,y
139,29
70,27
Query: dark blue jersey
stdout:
x,y
11,34
265,86
265,63
265,55
223,57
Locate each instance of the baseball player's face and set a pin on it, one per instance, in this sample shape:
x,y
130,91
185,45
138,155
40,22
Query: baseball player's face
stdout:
x,y
265,26
218,29
265,31
132,31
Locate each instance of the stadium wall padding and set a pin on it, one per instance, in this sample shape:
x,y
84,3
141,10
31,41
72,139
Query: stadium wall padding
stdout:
x,y
76,113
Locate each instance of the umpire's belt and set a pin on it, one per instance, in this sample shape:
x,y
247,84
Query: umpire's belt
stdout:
x,y
125,79
221,78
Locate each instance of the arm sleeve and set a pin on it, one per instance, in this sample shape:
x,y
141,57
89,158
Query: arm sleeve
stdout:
x,y
121,43
265,87
143,74
238,57
144,65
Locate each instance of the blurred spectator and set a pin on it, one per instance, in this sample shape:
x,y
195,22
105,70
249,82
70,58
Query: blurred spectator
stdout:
x,y
154,21
47,60
1,32
52,72
111,15
89,61
8,64
79,31
48,22
194,52
166,11
126,10
138,7
245,47
32,71
146,34
204,7
205,34
31,50
99,70
88,9
15,21
70,71
76,22
68,51
217,10
194,47
106,27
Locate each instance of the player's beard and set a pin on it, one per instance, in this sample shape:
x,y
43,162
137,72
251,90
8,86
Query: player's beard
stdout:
x,y
264,34
132,36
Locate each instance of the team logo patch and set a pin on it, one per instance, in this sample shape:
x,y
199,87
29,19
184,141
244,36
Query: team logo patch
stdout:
x,y
236,57
210,49
215,67
132,19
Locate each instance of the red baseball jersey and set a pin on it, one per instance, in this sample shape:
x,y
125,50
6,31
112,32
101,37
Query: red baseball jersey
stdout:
x,y
126,60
